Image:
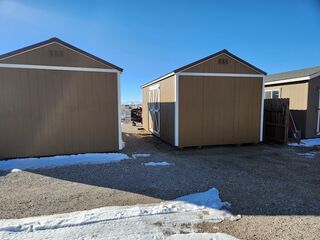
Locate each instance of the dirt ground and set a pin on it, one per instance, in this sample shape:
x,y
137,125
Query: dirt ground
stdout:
x,y
276,191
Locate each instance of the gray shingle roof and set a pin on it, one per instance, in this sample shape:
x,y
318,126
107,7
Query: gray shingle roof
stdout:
x,y
293,74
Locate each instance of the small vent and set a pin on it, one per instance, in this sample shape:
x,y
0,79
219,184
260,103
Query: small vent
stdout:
x,y
56,53
223,61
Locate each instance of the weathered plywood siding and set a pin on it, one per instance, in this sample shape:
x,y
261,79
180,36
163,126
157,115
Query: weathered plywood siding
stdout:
x,y
219,110
47,112
296,92
167,100
51,55
313,101
213,66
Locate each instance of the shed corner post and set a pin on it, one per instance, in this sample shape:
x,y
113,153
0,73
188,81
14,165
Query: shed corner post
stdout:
x,y
262,108
120,142
176,110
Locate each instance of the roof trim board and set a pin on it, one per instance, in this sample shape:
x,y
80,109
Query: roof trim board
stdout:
x,y
59,68
57,40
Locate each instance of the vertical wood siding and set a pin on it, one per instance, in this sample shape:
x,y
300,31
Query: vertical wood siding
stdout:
x,y
312,115
54,112
166,109
219,110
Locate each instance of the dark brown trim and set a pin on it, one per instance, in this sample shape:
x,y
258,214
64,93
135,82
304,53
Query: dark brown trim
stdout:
x,y
216,54
57,40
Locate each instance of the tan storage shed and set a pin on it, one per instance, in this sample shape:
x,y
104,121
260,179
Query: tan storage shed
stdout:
x,y
58,99
216,100
302,87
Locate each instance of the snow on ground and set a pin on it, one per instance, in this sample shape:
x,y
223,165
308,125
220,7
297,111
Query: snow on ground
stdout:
x,y
311,142
308,154
202,236
141,155
62,160
208,199
139,222
156,164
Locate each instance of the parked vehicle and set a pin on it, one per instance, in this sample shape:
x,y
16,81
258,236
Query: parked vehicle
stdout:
x,y
136,116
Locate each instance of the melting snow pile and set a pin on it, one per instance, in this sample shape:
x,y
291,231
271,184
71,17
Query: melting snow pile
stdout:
x,y
208,199
140,155
47,162
129,222
155,164
311,142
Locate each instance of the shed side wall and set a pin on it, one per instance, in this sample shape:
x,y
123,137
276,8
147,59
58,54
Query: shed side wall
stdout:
x,y
219,110
298,102
47,112
167,93
313,101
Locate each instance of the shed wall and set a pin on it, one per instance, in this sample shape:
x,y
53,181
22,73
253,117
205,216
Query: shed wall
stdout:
x,y
313,101
45,112
167,100
50,55
212,66
219,110
296,92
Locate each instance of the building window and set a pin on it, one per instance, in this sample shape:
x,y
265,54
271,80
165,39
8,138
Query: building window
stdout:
x,y
272,94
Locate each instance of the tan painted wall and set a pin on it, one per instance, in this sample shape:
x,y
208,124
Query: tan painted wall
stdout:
x,y
297,93
219,110
213,66
313,101
41,56
47,112
166,109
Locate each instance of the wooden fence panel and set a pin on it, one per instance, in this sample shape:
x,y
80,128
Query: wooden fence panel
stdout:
x,y
276,120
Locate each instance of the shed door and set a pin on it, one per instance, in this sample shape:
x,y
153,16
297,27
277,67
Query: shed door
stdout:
x,y
154,109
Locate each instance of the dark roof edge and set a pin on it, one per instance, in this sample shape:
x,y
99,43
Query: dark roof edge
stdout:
x,y
216,54
57,40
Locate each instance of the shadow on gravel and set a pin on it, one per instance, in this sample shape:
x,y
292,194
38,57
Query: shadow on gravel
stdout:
x,y
257,180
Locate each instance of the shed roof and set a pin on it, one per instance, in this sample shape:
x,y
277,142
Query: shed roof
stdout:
x,y
224,51
57,40
291,75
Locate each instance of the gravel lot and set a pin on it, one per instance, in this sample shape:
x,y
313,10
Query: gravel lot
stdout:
x,y
275,190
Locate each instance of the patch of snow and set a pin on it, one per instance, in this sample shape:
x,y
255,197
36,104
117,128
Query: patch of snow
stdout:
x,y
156,164
208,199
129,222
311,142
62,160
141,155
202,236
15,170
307,155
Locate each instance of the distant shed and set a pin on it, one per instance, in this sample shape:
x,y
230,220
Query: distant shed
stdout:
x,y
216,100
302,87
58,99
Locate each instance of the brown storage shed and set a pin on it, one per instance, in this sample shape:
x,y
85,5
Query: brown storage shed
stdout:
x,y
216,100
302,87
58,99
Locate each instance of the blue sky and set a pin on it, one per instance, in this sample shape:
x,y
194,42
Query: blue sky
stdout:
x,y
151,38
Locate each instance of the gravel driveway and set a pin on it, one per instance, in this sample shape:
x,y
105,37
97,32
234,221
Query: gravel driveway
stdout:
x,y
276,190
